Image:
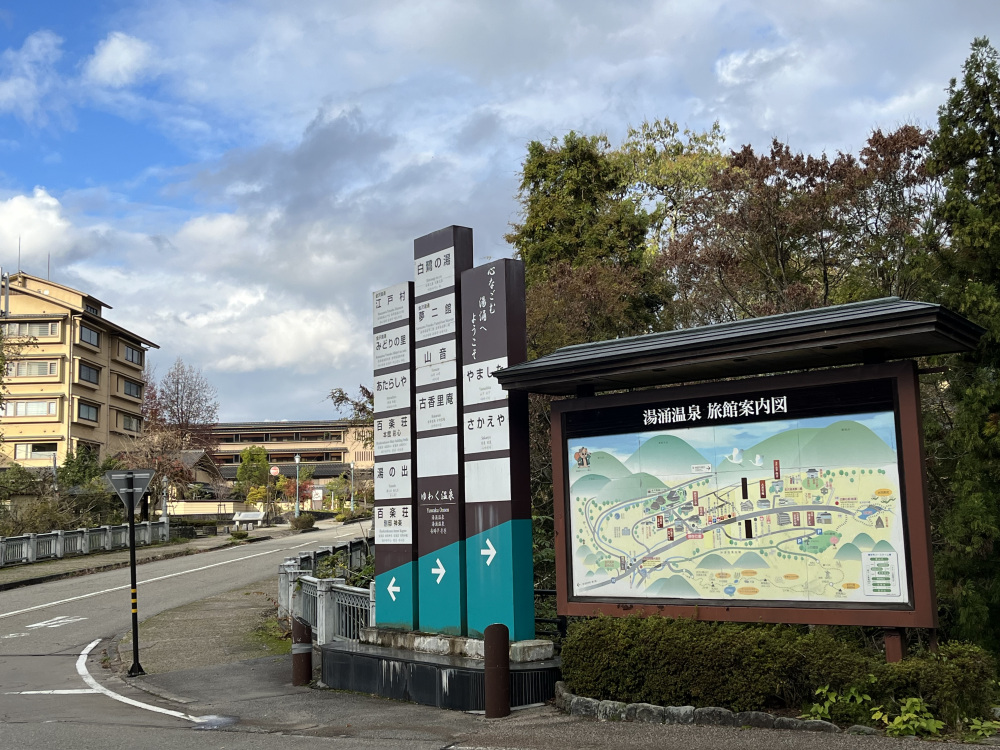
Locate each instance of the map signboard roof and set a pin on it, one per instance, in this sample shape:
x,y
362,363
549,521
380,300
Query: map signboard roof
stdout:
x,y
860,332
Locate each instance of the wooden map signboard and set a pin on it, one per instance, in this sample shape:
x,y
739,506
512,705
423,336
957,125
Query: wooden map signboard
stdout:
x,y
783,499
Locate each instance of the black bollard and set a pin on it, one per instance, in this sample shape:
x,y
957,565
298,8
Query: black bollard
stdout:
x,y
302,652
496,651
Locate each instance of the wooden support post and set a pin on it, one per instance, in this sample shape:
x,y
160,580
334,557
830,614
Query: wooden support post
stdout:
x,y
894,642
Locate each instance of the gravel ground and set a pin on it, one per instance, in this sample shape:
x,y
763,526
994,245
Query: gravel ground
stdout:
x,y
219,630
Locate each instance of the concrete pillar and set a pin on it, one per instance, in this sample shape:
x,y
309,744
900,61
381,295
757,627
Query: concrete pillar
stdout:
x,y
60,544
3,550
108,537
284,588
324,611
31,550
294,605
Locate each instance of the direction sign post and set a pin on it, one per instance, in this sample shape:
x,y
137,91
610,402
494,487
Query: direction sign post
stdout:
x,y
131,486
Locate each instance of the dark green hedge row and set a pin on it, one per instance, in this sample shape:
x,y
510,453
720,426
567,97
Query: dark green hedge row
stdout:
x,y
756,667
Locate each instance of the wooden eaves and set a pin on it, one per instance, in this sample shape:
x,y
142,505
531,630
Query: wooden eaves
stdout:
x,y
862,332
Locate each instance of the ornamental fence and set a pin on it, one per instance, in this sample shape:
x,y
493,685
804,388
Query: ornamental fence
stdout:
x,y
53,545
334,610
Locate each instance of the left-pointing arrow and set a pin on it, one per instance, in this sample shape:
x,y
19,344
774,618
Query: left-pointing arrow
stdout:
x,y
392,588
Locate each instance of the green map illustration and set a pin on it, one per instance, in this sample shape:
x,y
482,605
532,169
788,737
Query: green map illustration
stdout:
x,y
799,510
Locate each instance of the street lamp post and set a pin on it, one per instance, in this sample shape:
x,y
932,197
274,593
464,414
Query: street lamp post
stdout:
x,y
352,487
297,459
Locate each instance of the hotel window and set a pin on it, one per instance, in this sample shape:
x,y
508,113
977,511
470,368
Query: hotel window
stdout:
x,y
90,336
92,310
29,408
87,411
130,423
133,355
24,451
29,368
131,388
90,374
31,329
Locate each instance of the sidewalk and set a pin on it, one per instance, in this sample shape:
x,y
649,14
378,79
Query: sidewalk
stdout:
x,y
209,658
68,567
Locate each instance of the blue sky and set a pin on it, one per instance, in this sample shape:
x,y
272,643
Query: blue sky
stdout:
x,y
236,178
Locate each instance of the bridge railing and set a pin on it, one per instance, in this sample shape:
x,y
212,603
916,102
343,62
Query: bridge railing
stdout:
x,y
31,548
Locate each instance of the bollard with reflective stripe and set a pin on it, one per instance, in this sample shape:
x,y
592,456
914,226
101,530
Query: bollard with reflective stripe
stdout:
x,y
302,652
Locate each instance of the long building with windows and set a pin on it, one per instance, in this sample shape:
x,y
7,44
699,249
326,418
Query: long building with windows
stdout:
x,y
74,380
327,446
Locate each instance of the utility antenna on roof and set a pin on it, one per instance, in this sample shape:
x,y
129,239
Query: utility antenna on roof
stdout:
x,y
5,285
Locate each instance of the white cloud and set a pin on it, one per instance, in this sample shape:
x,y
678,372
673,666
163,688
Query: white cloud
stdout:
x,y
38,224
119,60
28,76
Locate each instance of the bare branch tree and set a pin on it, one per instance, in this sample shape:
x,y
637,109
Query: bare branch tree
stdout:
x,y
185,401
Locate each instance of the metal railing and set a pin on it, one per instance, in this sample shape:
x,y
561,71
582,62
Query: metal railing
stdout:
x,y
307,599
551,628
30,548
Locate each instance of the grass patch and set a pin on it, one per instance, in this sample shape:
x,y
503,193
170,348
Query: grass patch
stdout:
x,y
272,635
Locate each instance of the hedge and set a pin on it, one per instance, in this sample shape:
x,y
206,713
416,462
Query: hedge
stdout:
x,y
676,662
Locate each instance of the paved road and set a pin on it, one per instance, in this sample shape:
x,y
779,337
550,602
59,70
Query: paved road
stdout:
x,y
47,698
44,630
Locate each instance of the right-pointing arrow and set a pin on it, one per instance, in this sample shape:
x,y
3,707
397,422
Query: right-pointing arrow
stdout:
x,y
490,553
439,571
392,588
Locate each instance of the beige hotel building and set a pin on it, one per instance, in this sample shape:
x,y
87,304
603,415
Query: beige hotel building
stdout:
x,y
74,378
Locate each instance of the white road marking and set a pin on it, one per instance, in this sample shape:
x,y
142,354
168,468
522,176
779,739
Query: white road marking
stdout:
x,y
14,635
77,691
81,668
57,622
142,583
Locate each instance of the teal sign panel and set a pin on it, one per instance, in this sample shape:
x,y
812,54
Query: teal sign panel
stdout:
x,y
500,579
396,597
442,590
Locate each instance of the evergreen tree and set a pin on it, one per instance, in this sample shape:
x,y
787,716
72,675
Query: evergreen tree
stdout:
x,y
965,154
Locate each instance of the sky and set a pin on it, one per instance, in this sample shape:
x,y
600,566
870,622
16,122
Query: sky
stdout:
x,y
236,178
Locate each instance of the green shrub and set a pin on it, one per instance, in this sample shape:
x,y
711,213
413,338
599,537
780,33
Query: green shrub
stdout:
x,y
360,513
955,682
755,667
303,521
238,535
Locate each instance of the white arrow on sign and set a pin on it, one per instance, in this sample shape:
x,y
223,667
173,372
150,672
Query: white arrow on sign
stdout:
x,y
392,588
439,570
490,553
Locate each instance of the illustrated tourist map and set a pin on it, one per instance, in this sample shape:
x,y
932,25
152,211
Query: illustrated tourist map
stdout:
x,y
796,510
